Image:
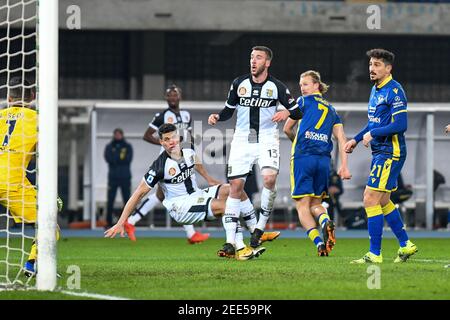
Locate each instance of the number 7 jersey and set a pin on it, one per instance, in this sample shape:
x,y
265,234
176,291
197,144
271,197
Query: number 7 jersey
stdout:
x,y
316,127
18,138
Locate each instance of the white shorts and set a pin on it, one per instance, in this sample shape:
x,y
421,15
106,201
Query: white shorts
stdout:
x,y
243,155
194,207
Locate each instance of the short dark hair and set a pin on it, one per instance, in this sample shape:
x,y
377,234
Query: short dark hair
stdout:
x,y
173,87
19,89
267,50
166,128
385,55
118,130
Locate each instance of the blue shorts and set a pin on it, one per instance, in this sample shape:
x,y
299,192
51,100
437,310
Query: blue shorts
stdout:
x,y
384,173
309,176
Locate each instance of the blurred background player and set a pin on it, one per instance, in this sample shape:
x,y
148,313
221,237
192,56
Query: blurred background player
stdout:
x,y
182,121
385,133
311,159
186,203
255,96
18,131
118,154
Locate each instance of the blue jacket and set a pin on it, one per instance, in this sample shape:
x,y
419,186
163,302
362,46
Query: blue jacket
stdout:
x,y
119,154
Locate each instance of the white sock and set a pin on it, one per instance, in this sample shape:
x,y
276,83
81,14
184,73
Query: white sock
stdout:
x,y
267,200
189,228
148,205
239,237
230,218
248,213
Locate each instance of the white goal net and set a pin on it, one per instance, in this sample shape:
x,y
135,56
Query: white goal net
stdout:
x,y
26,181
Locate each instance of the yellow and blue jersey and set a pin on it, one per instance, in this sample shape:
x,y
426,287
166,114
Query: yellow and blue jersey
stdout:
x,y
387,100
316,127
18,138
310,162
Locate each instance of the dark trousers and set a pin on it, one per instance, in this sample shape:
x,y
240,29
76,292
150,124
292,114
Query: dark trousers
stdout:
x,y
113,185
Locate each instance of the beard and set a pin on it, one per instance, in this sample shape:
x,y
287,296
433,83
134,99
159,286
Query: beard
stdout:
x,y
258,71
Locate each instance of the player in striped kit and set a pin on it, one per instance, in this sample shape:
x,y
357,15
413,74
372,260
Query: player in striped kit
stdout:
x,y
255,97
182,121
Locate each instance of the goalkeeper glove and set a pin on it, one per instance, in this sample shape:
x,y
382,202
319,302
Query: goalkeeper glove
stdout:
x,y
59,203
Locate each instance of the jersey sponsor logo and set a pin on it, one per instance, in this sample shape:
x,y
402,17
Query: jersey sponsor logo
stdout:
x,y
172,171
242,91
169,120
395,90
256,102
269,93
184,175
374,119
380,99
311,135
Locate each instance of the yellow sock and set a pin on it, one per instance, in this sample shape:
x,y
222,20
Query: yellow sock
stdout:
x,y
33,252
323,218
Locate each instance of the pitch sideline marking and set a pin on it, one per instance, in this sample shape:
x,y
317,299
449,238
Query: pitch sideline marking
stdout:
x,y
92,295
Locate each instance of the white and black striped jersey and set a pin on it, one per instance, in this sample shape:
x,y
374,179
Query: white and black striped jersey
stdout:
x,y
175,177
256,103
181,120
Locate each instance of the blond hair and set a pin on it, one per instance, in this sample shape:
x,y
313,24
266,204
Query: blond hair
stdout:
x,y
315,76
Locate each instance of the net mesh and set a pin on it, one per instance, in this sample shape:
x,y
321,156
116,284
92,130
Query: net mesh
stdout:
x,y
18,138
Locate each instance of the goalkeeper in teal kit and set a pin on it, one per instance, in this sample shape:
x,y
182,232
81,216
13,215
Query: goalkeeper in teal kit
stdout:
x,y
387,123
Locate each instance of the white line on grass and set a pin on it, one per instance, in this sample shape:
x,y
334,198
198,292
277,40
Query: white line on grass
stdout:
x,y
92,295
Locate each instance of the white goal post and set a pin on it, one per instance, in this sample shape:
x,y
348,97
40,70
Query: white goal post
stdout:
x,y
47,164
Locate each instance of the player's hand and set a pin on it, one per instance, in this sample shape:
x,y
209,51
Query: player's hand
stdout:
x,y
447,129
280,116
111,232
350,146
212,120
344,173
366,139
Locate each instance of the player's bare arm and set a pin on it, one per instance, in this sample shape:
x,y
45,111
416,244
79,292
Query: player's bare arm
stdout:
x,y
202,171
150,137
338,132
288,128
137,196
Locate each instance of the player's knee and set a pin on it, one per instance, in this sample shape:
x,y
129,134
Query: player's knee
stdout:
x,y
370,199
269,181
224,191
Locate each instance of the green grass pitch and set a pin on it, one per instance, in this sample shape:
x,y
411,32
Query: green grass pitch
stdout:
x,y
169,268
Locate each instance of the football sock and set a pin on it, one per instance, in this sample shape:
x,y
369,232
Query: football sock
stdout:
x,y
375,224
248,214
230,218
323,219
33,252
267,200
189,228
239,237
314,235
148,205
394,219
